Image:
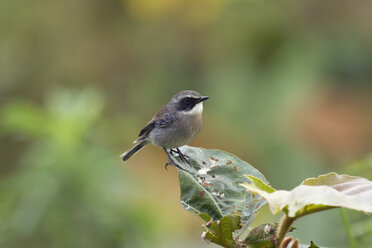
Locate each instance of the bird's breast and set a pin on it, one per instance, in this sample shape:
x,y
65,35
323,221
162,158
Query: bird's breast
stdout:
x,y
179,133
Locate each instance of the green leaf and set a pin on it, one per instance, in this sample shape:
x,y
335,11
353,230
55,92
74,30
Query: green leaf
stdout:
x,y
205,217
221,231
317,194
258,184
263,236
212,184
312,245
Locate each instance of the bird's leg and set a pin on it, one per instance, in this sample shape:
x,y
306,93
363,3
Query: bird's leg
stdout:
x,y
171,161
182,156
178,151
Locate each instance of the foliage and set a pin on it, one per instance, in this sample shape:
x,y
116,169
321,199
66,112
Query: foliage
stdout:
x,y
317,194
262,236
212,187
221,231
212,184
65,193
290,87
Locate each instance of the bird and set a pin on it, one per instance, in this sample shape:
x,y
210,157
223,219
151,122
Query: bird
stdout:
x,y
175,125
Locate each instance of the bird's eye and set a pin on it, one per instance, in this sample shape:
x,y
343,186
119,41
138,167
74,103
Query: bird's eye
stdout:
x,y
187,100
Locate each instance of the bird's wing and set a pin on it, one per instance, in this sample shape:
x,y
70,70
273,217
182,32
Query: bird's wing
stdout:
x,y
145,131
162,119
165,121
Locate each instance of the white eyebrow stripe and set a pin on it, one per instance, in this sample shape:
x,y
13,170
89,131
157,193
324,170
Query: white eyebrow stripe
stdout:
x,y
192,96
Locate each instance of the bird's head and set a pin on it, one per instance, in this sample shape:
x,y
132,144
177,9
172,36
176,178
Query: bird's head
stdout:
x,y
189,102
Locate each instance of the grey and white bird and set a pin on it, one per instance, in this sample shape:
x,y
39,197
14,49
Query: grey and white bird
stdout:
x,y
175,125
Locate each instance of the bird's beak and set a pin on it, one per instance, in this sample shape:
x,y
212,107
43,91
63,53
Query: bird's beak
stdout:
x,y
203,98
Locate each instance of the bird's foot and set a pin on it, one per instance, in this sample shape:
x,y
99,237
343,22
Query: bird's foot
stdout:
x,y
173,163
178,151
170,162
172,151
183,156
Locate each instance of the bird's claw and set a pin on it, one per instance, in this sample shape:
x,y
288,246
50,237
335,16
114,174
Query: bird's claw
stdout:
x,y
183,156
172,151
184,159
171,162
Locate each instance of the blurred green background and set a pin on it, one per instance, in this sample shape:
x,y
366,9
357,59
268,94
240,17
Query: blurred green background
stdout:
x,y
290,88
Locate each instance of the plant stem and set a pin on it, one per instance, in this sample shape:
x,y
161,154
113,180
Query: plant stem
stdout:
x,y
345,220
284,226
286,222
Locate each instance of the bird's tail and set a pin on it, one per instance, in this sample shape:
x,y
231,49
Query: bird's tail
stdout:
x,y
126,155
